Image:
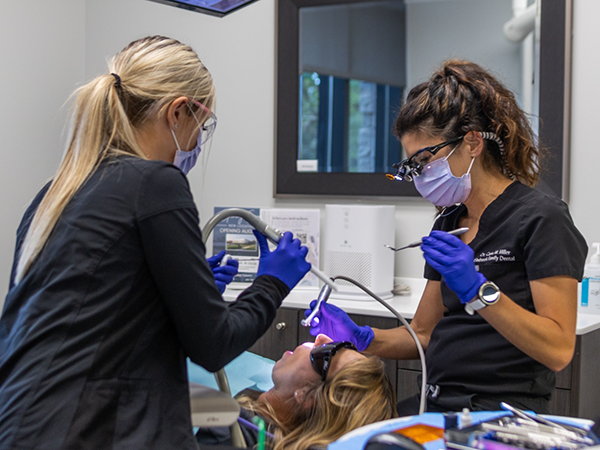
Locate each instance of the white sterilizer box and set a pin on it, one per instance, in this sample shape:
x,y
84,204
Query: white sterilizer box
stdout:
x,y
354,243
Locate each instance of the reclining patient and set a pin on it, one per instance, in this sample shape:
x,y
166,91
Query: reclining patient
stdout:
x,y
319,393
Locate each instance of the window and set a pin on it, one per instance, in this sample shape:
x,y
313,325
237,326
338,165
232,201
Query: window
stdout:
x,y
345,124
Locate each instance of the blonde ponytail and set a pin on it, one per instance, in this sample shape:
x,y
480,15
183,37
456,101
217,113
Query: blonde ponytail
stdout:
x,y
144,79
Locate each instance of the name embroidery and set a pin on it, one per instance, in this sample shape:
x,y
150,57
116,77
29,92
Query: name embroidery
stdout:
x,y
495,256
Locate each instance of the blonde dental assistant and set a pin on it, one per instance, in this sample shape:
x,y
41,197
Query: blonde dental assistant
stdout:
x,y
498,313
110,289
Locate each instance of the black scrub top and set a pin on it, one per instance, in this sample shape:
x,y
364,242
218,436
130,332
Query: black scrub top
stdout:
x,y
523,235
93,340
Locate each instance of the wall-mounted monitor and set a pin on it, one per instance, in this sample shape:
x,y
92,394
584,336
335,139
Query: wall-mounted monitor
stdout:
x,y
217,8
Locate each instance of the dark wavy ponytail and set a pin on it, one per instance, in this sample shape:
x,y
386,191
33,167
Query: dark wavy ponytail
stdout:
x,y
461,97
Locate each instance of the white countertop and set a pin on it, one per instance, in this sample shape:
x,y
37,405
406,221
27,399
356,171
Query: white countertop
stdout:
x,y
587,323
404,304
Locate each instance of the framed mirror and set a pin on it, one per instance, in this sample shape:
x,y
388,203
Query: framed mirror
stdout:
x,y
336,99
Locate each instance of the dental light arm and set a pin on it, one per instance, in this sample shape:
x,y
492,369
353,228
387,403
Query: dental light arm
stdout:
x,y
273,234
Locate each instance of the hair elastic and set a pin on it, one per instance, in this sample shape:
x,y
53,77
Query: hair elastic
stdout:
x,y
493,137
117,80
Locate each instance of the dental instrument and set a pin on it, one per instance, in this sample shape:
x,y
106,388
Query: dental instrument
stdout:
x,y
323,296
272,234
456,232
571,432
226,257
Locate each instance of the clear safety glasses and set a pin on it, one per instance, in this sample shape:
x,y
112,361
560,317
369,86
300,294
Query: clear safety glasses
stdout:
x,y
412,167
208,128
320,357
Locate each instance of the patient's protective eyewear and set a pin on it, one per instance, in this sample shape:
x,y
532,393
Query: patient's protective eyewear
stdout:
x,y
412,167
320,357
208,128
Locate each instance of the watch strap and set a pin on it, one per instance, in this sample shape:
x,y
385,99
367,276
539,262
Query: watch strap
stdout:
x,y
480,302
474,305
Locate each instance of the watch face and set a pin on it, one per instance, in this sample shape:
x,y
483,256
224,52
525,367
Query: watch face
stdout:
x,y
490,294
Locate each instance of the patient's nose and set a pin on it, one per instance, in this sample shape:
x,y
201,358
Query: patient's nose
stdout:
x,y
322,339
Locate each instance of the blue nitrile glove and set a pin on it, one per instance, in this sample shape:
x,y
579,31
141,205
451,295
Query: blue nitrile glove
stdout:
x,y
287,262
335,323
223,274
453,259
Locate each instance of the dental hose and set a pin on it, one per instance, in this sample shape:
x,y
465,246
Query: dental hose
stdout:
x,y
323,297
272,234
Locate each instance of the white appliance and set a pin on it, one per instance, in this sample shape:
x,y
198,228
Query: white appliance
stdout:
x,y
354,241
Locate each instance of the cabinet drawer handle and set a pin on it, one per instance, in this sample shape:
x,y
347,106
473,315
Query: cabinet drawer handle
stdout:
x,y
280,326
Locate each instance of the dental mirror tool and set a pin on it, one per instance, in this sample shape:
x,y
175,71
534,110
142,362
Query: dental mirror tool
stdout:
x,y
456,232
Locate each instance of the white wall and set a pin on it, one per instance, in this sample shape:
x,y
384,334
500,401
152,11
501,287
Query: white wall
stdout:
x,y
585,154
467,29
41,60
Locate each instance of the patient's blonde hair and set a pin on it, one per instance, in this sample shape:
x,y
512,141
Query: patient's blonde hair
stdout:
x,y
150,74
359,394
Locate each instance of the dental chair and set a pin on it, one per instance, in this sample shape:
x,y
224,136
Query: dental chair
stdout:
x,y
212,408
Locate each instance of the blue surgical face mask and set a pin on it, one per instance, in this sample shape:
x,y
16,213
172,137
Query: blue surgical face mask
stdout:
x,y
437,184
186,160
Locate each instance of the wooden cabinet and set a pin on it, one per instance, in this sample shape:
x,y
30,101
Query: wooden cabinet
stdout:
x,y
577,387
281,336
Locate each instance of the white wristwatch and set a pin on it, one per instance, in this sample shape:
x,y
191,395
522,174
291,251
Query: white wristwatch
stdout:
x,y
488,294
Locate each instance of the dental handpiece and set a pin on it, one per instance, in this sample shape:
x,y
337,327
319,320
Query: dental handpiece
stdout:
x,y
323,297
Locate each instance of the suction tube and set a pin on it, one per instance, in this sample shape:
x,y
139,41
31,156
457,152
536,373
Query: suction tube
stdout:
x,y
324,296
273,234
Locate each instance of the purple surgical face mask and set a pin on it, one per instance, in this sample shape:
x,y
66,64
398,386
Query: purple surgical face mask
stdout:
x,y
186,160
437,184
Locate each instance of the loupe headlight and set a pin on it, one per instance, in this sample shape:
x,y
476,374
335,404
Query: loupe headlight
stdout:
x,y
406,170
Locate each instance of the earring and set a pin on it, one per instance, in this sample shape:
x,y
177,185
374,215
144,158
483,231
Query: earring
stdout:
x,y
175,126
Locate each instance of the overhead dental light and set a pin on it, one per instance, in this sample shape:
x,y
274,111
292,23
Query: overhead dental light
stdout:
x,y
217,8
